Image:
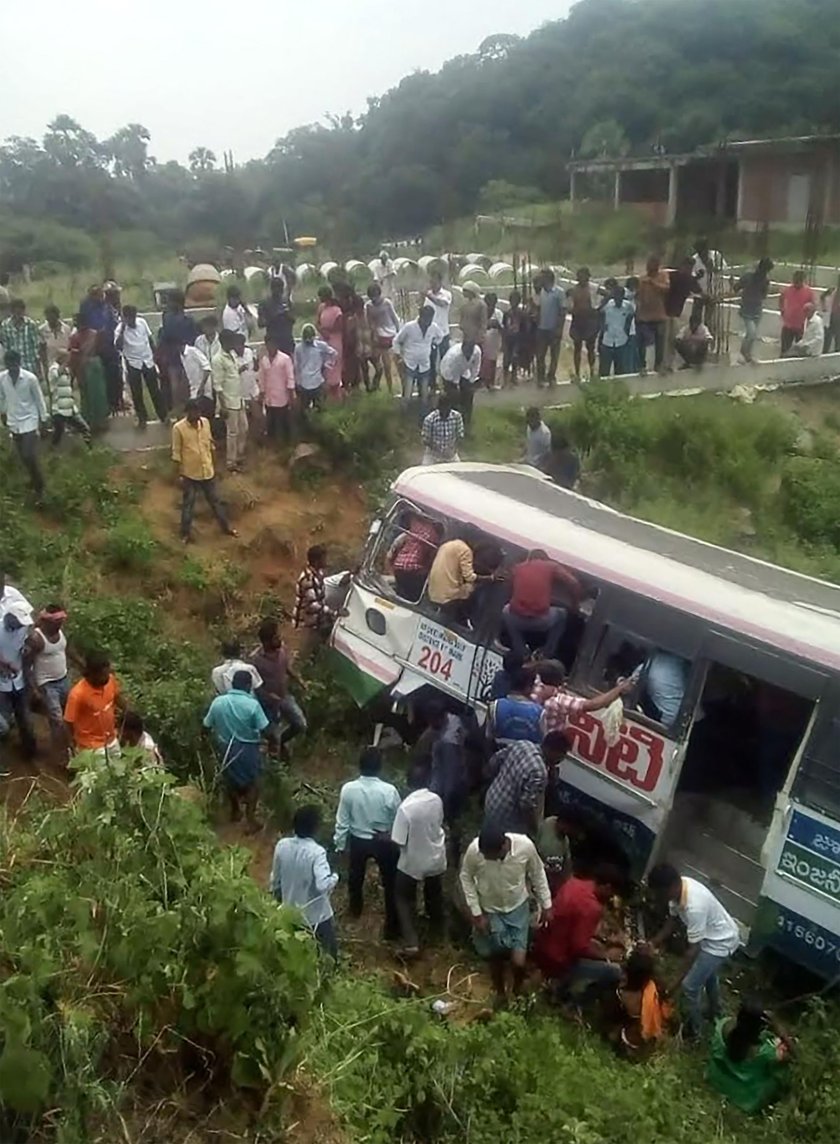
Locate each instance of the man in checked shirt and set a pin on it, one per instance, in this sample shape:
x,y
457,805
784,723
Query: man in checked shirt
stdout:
x,y
515,798
441,431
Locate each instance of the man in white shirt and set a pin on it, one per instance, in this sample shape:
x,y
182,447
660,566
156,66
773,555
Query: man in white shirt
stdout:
x,y
23,411
197,372
537,438
236,316
460,368
301,877
384,274
9,595
438,296
14,692
713,937
812,342
413,349
418,831
222,676
367,807
133,340
693,343
499,875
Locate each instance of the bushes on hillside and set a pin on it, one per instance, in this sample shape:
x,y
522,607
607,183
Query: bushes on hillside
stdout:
x,y
132,943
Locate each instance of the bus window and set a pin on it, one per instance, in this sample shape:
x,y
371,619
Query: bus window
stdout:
x,y
740,751
405,551
818,778
661,678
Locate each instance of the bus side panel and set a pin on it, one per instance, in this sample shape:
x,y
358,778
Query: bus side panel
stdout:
x,y
636,837
800,910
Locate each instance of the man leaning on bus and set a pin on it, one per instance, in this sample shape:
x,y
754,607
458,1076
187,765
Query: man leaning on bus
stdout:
x,y
531,614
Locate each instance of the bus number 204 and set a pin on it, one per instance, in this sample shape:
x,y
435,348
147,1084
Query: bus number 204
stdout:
x,y
432,661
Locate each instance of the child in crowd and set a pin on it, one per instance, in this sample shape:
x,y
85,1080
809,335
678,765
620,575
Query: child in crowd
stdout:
x,y
63,408
491,346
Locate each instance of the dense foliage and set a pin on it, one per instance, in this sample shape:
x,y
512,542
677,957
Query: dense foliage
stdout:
x,y
524,1078
130,941
615,75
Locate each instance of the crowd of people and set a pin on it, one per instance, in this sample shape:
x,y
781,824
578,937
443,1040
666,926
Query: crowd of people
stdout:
x,y
75,375
38,660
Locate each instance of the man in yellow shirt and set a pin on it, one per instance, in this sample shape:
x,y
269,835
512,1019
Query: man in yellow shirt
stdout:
x,y
453,576
192,451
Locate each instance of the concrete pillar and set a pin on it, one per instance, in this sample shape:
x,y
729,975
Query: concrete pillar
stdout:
x,y
739,209
671,215
720,191
617,190
572,189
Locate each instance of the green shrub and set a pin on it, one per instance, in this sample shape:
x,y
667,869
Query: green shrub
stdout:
x,y
129,545
130,939
811,499
364,436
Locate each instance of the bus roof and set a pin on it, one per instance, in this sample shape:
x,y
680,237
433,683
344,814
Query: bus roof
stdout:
x,y
798,614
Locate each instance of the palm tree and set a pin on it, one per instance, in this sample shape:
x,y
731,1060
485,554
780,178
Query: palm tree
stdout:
x,y
202,159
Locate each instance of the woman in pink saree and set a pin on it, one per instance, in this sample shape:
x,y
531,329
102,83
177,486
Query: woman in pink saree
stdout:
x,y
330,322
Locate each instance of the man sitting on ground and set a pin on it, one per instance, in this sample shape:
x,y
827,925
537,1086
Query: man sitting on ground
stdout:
x,y
693,343
567,950
499,874
812,341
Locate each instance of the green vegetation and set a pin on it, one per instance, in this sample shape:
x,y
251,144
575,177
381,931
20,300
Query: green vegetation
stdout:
x,y
140,958
633,74
132,943
528,1077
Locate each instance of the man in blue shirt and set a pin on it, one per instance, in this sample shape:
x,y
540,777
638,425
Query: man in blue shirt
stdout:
x,y
552,315
366,810
301,877
617,318
237,721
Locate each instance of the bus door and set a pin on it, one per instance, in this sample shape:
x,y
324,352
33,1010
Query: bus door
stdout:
x,y
799,914
750,722
633,774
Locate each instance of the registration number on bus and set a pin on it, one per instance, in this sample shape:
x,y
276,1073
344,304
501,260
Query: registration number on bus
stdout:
x,y
442,655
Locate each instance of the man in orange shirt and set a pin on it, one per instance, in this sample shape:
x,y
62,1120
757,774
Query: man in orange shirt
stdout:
x,y
92,706
792,302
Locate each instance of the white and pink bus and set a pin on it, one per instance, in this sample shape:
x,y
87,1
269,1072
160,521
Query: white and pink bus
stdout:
x,y
736,778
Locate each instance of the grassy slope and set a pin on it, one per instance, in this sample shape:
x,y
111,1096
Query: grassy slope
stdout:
x,y
106,546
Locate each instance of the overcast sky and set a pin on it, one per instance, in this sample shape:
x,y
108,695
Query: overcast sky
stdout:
x,y
230,75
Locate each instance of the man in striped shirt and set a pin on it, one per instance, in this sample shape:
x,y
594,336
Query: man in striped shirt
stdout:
x,y
559,704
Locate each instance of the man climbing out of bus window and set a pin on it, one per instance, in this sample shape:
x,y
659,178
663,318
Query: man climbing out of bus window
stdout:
x,y
453,577
531,612
571,958
410,556
666,678
559,704
515,799
712,934
515,715
500,873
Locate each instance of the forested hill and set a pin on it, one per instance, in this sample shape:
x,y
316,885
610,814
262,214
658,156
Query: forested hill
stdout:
x,y
684,72
615,75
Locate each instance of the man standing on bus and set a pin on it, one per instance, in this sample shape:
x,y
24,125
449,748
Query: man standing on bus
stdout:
x,y
531,612
713,937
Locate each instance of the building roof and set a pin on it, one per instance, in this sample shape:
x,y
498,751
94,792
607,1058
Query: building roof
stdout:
x,y
517,504
708,152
